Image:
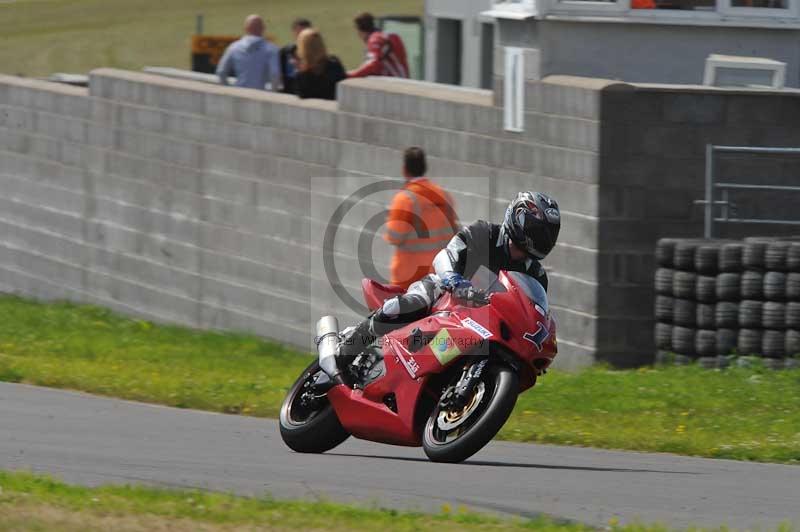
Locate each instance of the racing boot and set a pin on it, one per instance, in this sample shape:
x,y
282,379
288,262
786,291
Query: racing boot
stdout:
x,y
354,341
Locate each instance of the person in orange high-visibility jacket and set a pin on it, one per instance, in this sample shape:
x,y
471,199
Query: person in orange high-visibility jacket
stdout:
x,y
420,223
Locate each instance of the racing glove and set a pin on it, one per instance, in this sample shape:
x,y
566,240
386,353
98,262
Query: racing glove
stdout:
x,y
452,281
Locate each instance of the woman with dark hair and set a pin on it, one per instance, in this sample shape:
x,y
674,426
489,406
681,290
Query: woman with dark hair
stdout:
x,y
317,72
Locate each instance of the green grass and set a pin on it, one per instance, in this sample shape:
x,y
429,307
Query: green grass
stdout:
x,y
740,413
37,503
92,349
45,36
29,502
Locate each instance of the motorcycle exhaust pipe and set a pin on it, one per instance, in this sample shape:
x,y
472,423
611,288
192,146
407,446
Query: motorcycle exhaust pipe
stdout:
x,y
328,345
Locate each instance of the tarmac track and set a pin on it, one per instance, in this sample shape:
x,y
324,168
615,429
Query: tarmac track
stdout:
x,y
92,440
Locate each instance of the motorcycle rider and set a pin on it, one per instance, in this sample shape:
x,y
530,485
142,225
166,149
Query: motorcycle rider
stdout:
x,y
528,233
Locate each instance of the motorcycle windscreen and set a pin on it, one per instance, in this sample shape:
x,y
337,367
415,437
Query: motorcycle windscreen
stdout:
x,y
487,281
531,288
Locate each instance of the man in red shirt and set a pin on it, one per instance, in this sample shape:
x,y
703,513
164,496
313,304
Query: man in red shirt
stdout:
x,y
386,53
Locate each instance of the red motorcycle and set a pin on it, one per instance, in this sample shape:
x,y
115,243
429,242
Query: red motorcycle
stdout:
x,y
447,382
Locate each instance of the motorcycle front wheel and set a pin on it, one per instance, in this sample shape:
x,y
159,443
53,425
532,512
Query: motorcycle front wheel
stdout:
x,y
454,435
308,422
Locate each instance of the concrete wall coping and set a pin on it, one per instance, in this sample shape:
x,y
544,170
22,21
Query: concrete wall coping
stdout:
x,y
39,84
607,84
182,73
586,83
424,89
707,89
198,86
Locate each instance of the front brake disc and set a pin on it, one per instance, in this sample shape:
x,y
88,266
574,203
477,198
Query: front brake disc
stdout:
x,y
448,420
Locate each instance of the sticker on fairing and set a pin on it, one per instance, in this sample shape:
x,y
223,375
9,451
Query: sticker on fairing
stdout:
x,y
482,331
411,365
444,347
539,337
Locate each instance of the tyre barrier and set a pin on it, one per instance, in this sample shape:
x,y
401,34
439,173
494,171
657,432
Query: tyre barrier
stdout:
x,y
684,285
706,316
706,289
665,309
728,286
730,257
723,302
684,312
664,280
752,286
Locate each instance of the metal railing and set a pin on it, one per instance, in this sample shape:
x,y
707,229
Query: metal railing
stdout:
x,y
728,211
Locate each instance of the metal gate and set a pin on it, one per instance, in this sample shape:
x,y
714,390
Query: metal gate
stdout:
x,y
728,212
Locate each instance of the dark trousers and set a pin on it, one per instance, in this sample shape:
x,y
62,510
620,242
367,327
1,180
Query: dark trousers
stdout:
x,y
395,313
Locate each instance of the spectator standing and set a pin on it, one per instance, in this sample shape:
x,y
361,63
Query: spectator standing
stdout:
x,y
289,55
252,59
420,223
386,53
317,72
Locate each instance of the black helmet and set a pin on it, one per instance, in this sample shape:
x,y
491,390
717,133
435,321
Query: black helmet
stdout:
x,y
532,222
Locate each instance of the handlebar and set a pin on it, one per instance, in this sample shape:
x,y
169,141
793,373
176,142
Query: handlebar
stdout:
x,y
471,295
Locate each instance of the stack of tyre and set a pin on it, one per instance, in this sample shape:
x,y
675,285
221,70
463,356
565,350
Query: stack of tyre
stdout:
x,y
716,299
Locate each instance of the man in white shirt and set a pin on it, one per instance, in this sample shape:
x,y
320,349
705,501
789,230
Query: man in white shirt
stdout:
x,y
252,59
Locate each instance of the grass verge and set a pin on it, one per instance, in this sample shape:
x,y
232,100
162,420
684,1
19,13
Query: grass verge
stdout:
x,y
45,36
29,502
740,413
35,503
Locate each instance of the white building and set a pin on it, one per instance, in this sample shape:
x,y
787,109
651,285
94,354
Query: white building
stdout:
x,y
655,41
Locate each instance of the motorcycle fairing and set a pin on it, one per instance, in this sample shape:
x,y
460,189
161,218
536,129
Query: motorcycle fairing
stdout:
x,y
453,333
376,293
364,413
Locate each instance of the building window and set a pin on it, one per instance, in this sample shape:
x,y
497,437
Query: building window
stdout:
x,y
681,8
769,4
487,55
760,8
448,51
717,11
681,5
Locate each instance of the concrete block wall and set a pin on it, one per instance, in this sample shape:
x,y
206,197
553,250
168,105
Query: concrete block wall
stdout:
x,y
462,131
206,206
203,205
652,169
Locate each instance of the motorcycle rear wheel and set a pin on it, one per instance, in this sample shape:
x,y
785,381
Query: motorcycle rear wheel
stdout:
x,y
495,401
309,430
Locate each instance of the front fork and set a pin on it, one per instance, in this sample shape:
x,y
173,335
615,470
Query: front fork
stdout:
x,y
457,396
